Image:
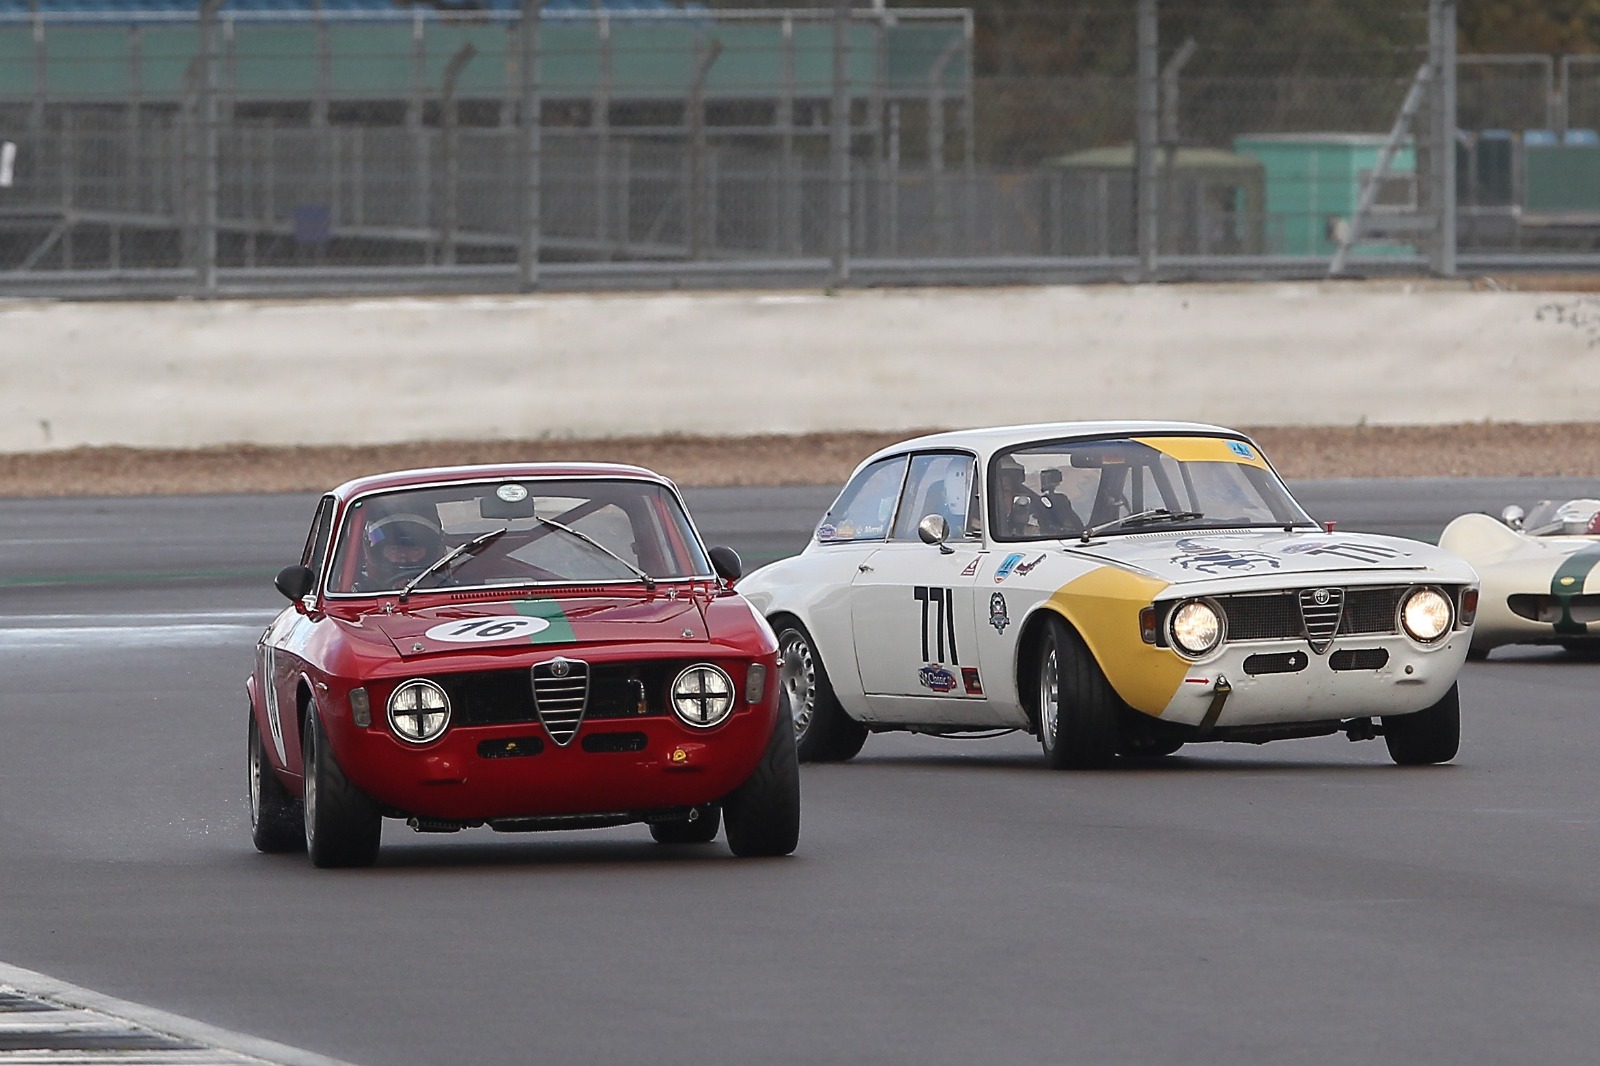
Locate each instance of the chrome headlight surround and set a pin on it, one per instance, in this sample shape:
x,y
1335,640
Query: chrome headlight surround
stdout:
x,y
419,711
1426,614
702,696
1196,628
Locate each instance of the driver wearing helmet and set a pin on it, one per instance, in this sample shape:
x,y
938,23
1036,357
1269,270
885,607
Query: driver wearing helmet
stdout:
x,y
1017,503
397,548
1056,515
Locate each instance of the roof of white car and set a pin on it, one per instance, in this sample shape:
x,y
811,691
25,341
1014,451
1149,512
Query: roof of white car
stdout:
x,y
995,438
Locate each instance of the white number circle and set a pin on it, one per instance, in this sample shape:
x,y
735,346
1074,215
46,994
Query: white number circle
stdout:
x,y
487,630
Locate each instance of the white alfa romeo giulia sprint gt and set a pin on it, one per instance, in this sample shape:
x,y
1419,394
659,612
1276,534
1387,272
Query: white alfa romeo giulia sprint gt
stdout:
x,y
1116,588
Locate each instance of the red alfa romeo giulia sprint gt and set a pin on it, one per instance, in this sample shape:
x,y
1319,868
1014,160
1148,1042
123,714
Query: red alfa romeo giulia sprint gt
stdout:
x,y
525,647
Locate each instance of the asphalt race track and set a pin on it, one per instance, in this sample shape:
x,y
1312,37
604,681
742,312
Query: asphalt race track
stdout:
x,y
951,901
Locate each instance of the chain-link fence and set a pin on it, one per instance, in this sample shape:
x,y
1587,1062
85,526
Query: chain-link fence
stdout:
x,y
240,148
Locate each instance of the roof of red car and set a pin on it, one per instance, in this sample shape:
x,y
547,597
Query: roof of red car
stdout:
x,y
399,479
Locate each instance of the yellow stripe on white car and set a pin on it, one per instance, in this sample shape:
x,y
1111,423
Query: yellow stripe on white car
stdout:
x,y
1104,605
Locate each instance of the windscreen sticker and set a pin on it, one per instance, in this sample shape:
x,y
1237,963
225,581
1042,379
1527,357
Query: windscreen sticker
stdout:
x,y
1206,450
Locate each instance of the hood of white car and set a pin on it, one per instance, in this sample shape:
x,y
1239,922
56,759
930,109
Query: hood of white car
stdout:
x,y
1202,556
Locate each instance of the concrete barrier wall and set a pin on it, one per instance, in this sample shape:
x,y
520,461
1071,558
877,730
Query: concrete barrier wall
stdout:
x,y
371,371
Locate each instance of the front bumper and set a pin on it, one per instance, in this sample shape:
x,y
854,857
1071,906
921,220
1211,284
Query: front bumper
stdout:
x,y
1283,682
476,773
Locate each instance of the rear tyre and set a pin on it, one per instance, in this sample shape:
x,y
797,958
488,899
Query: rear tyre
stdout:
x,y
763,814
276,824
1077,706
343,825
703,830
1431,735
822,731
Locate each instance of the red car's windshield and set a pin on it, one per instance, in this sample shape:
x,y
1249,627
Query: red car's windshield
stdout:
x,y
508,532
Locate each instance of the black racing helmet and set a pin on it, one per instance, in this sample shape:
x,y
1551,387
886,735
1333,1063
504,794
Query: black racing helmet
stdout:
x,y
401,546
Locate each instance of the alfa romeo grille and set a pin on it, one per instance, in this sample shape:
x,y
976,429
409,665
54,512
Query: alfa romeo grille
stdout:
x,y
1296,615
560,694
1321,610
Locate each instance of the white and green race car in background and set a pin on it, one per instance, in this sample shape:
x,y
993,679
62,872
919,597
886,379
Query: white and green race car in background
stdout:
x,y
1116,589
1540,573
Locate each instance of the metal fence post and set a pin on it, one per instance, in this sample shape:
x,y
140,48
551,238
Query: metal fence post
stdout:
x,y
787,160
449,223
530,118
206,252
600,122
705,57
1442,134
839,149
1145,195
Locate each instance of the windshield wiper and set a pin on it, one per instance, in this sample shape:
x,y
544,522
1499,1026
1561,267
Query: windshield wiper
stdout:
x,y
1141,518
649,582
471,547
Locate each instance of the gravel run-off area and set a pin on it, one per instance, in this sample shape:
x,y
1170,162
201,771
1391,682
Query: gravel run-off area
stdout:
x,y
1478,450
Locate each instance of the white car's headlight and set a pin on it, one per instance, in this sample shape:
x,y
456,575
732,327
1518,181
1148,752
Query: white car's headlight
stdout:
x,y
1195,627
419,710
702,696
1426,614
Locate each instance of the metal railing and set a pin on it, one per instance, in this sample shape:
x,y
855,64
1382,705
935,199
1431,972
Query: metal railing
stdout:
x,y
217,153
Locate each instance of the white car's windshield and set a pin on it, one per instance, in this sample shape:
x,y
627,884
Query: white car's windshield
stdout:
x,y
1135,484
1556,518
513,533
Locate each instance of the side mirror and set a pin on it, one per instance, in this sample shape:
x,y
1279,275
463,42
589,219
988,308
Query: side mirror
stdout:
x,y
295,581
1513,516
726,562
935,530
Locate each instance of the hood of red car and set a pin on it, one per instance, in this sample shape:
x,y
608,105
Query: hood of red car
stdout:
x,y
540,622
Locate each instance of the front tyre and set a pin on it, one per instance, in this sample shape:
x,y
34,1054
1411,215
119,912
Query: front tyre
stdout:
x,y
1431,735
703,830
763,814
276,824
343,825
1077,706
822,731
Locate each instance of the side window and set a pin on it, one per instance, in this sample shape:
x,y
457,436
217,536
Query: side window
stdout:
x,y
866,505
940,484
316,548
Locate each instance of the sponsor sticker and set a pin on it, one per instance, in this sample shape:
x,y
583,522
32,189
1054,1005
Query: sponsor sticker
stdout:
x,y
512,493
1007,565
1241,449
1210,559
1360,553
972,568
536,622
998,616
494,629
936,677
971,681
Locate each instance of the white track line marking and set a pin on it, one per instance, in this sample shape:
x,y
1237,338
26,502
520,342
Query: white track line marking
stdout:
x,y
78,1014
